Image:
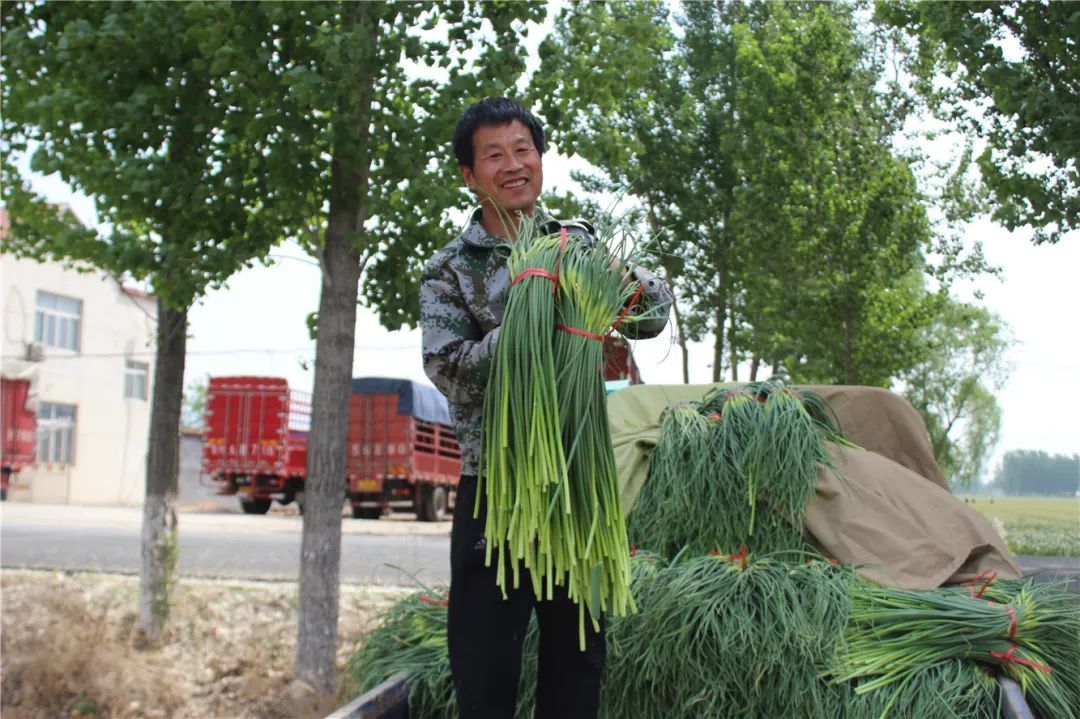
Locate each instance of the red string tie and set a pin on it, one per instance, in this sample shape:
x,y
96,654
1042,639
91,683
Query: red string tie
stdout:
x,y
534,272
540,272
615,326
735,393
432,600
739,556
990,575
629,306
1008,657
1012,619
583,333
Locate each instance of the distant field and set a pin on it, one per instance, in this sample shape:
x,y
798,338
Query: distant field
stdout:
x,y
1035,525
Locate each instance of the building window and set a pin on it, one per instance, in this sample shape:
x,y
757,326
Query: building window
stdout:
x,y
57,321
56,433
136,379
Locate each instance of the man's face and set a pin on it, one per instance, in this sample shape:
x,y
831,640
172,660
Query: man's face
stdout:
x,y
506,167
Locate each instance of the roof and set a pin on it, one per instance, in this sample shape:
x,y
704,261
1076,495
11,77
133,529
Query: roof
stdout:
x,y
137,293
414,399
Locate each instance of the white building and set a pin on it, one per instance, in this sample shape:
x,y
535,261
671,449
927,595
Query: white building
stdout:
x,y
86,342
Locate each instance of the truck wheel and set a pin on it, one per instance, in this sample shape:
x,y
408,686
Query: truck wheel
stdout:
x,y
431,505
366,512
255,506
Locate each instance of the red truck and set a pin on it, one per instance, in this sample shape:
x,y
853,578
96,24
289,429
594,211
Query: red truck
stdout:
x,y
255,440
402,451
18,430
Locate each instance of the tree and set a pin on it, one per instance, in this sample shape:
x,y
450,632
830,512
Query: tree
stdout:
x,y
633,124
1028,472
953,387
1026,109
373,90
760,142
352,157
153,111
837,220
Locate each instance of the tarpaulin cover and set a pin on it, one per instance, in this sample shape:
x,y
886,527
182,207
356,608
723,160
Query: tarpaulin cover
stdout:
x,y
892,515
414,399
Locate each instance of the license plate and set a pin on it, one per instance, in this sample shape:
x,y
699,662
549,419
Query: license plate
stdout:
x,y
366,485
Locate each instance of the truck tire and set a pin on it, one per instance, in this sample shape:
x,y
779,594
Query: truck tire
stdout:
x,y
366,512
431,503
255,506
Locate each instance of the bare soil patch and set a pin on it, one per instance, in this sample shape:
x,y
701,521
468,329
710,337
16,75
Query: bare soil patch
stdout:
x,y
228,651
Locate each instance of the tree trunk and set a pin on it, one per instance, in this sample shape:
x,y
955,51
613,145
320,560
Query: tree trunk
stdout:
x,y
324,490
849,354
754,365
718,345
159,546
325,486
682,343
733,353
654,225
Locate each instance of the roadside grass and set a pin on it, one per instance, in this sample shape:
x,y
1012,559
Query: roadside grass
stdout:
x,y
228,650
1035,526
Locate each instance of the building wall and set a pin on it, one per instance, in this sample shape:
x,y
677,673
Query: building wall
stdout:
x,y
110,439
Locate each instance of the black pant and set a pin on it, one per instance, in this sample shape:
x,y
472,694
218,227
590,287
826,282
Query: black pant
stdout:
x,y
485,634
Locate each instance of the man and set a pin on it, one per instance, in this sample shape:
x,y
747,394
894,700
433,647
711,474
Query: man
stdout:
x,y
499,146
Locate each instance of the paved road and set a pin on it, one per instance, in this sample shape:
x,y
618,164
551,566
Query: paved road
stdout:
x,y
220,545
235,545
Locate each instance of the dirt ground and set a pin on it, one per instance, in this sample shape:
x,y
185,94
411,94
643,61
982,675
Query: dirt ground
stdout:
x,y
66,650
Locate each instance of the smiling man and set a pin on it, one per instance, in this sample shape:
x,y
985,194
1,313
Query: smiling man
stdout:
x,y
503,168
499,146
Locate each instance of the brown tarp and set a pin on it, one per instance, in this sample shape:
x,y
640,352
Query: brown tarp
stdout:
x,y
889,512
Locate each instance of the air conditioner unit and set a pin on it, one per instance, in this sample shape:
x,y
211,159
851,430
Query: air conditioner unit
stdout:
x,y
35,352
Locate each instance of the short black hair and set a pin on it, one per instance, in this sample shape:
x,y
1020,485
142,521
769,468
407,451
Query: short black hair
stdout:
x,y
493,111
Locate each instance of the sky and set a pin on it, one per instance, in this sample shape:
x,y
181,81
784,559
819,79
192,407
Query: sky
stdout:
x,y
256,324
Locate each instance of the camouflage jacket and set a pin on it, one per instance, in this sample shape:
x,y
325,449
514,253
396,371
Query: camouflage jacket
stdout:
x,y
463,293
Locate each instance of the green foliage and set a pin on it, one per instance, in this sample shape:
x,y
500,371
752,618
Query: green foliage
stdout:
x,y
734,471
169,131
1027,472
166,552
1026,109
760,142
153,111
712,634
953,386
549,482
349,103
410,637
1027,631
